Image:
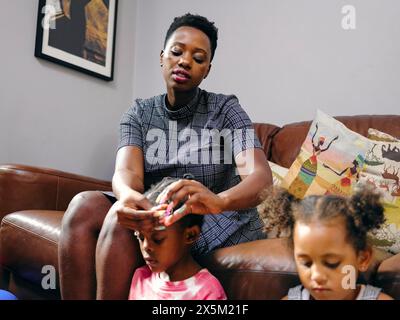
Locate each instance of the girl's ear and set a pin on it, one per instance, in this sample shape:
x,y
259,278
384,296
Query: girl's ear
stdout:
x,y
191,234
364,259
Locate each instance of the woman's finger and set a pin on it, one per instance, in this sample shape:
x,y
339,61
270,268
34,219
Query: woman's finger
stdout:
x,y
134,220
175,187
135,214
178,214
183,194
160,207
149,224
161,197
166,194
203,203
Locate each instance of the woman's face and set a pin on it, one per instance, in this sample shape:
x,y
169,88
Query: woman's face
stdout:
x,y
186,59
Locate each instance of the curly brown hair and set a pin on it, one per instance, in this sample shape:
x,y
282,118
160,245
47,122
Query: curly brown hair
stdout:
x,y
362,212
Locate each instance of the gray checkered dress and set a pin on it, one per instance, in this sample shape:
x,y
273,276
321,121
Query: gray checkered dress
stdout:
x,y
174,143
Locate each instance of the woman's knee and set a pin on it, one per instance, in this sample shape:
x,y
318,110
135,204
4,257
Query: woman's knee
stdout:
x,y
112,230
86,210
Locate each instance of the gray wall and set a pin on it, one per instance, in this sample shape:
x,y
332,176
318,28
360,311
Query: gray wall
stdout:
x,y
55,117
286,58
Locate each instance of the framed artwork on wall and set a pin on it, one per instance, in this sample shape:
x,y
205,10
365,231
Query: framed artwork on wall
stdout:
x,y
79,34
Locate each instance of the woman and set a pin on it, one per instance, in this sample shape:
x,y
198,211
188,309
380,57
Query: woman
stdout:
x,y
153,144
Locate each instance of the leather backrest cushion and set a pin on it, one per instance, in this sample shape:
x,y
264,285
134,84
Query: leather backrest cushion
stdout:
x,y
265,133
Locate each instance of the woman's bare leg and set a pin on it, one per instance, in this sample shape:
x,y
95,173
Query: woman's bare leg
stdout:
x,y
81,226
117,256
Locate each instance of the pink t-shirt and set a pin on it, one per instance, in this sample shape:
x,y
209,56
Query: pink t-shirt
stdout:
x,y
147,285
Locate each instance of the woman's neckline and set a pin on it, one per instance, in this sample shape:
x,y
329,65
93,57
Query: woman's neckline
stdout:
x,y
184,111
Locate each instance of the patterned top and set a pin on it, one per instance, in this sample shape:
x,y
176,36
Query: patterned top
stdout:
x,y
201,138
367,292
147,285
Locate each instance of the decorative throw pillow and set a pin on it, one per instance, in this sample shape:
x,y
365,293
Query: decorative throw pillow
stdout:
x,y
278,173
329,161
382,173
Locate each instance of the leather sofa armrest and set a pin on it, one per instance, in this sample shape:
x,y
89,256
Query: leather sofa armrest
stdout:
x,y
24,187
261,270
28,242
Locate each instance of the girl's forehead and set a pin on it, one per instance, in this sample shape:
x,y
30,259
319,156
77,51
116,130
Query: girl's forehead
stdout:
x,y
317,234
336,222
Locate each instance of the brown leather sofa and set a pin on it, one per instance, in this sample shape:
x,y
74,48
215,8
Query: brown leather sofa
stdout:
x,y
33,200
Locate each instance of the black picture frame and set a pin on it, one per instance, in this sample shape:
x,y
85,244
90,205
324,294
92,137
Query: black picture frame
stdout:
x,y
78,34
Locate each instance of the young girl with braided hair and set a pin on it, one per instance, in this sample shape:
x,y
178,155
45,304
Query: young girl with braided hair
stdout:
x,y
170,271
329,237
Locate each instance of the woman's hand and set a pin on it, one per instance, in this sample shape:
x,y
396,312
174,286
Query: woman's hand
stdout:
x,y
200,200
137,213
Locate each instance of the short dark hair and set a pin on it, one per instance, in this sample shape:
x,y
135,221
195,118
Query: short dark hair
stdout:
x,y
198,22
187,221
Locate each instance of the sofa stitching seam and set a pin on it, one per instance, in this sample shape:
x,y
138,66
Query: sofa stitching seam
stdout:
x,y
30,231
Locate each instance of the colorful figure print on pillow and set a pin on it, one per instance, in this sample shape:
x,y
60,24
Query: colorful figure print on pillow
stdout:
x,y
330,160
